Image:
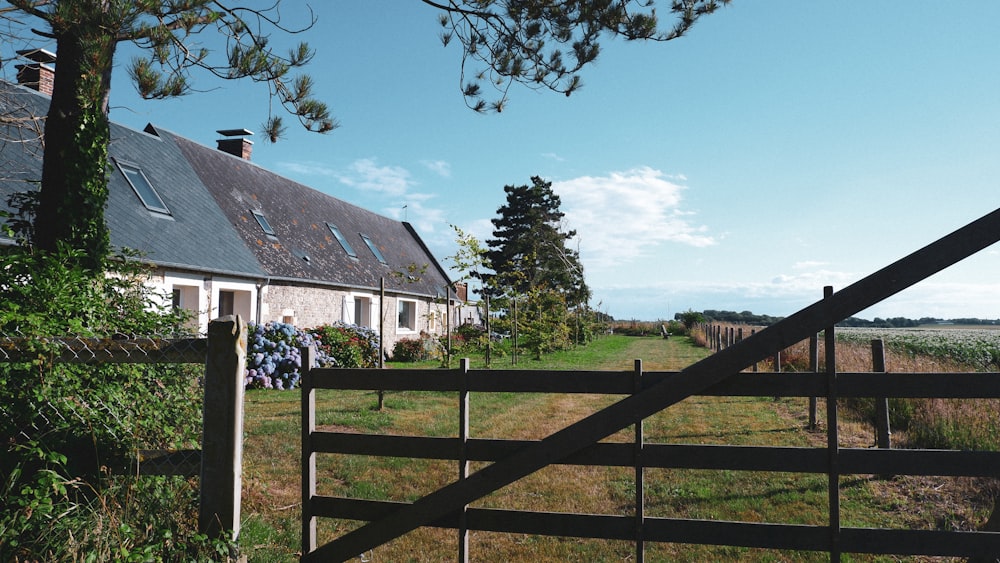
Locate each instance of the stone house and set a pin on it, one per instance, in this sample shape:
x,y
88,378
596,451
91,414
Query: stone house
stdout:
x,y
226,236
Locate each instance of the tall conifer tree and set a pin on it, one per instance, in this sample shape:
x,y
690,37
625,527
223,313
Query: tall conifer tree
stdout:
x,y
529,251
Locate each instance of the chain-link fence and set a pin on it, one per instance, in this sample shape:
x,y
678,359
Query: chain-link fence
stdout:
x,y
112,389
140,436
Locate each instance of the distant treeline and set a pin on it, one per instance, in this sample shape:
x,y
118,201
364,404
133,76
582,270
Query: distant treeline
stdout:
x,y
748,318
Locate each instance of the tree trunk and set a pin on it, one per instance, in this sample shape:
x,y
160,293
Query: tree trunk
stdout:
x,y
74,190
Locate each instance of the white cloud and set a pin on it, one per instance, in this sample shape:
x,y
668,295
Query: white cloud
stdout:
x,y
426,220
308,169
391,186
439,167
366,174
624,216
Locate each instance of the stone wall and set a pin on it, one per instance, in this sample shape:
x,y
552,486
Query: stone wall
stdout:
x,y
307,306
303,306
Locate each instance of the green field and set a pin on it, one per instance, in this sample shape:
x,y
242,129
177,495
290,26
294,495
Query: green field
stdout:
x,y
271,468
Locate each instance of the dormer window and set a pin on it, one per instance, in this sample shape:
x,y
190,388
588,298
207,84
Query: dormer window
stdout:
x,y
262,221
142,187
342,240
373,248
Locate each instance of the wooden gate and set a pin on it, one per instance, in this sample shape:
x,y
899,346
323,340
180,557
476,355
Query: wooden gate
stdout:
x,y
647,394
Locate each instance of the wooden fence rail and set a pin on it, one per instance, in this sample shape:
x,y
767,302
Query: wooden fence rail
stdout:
x,y
637,527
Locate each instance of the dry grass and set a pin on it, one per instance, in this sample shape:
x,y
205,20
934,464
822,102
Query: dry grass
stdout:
x,y
271,495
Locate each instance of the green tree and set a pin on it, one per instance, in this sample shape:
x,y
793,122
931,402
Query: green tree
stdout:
x,y
689,318
546,43
470,259
545,324
529,250
74,184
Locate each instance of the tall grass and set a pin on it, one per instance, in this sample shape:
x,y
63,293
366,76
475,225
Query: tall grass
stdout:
x,y
963,424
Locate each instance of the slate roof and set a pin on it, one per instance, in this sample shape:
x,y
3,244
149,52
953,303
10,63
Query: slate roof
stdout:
x,y
195,235
299,216
211,195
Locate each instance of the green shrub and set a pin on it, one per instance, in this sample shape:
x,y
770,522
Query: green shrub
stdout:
x,y
469,336
63,426
409,350
417,349
347,346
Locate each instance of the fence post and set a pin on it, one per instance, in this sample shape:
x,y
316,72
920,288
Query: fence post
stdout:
x,y
222,428
463,462
813,367
308,416
882,433
832,441
640,482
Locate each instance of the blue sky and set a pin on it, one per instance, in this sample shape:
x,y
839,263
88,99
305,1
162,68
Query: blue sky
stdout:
x,y
780,147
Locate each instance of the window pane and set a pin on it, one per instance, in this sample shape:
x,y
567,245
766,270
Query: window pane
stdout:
x,y
407,314
262,221
140,184
343,241
373,248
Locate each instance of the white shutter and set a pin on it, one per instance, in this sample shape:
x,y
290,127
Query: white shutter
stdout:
x,y
348,316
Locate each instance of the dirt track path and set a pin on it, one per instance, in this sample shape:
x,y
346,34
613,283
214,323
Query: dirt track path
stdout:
x,y
657,354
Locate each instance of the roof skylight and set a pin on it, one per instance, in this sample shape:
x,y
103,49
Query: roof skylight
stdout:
x,y
142,187
262,221
342,240
373,248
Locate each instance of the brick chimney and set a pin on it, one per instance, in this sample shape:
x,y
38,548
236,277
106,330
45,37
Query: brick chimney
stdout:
x,y
39,73
462,291
236,142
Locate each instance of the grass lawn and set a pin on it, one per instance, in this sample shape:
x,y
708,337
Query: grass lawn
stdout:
x,y
271,467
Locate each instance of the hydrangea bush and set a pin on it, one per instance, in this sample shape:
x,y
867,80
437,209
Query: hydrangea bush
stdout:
x,y
275,362
273,357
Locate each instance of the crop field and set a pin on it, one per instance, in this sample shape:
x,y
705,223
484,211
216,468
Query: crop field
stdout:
x,y
978,347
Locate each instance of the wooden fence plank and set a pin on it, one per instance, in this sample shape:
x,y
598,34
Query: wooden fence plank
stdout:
x,y
760,384
920,542
855,461
832,437
707,532
309,449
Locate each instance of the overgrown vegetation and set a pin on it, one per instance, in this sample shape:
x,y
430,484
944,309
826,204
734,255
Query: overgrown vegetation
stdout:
x,y
68,431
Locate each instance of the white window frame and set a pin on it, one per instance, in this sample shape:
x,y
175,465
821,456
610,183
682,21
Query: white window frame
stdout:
x,y
194,298
350,311
245,298
411,317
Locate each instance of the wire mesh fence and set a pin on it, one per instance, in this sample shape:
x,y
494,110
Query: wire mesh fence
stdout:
x,y
137,397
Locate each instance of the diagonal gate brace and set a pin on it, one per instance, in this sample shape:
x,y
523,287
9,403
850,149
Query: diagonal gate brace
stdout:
x,y
696,378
